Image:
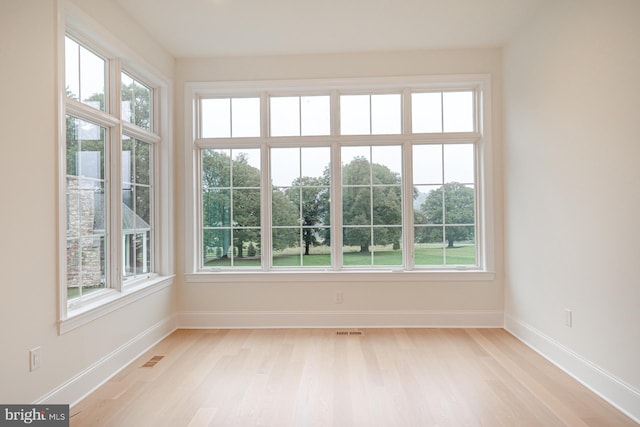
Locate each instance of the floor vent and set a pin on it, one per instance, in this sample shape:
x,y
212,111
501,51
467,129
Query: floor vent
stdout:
x,y
349,333
152,362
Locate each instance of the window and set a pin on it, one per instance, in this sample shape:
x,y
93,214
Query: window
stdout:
x,y
86,210
381,175
372,205
231,207
85,75
300,206
111,157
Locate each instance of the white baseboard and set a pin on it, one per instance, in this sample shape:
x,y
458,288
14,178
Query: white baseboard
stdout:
x,y
339,319
615,391
85,382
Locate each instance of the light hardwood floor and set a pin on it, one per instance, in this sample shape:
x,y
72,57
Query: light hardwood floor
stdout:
x,y
315,377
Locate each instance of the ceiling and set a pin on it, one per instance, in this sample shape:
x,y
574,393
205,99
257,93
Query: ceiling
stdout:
x,y
210,28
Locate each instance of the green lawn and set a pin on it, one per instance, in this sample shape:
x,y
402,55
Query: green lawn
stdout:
x,y
425,254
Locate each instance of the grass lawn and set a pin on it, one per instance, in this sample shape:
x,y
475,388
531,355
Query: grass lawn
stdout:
x,y
425,254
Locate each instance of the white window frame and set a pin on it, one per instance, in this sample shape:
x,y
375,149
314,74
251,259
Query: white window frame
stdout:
x,y
119,58
481,138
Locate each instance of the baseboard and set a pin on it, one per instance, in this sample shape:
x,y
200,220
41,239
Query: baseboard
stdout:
x,y
339,319
615,391
85,382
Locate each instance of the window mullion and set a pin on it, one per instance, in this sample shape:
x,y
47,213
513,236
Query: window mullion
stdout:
x,y
266,214
114,206
407,206
336,207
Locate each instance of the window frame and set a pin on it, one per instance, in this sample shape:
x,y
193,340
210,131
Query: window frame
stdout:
x,y
480,138
119,59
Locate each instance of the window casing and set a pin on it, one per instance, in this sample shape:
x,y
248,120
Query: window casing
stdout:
x,y
373,206
111,151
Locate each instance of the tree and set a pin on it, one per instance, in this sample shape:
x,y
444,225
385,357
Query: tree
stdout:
x,y
314,196
459,208
358,206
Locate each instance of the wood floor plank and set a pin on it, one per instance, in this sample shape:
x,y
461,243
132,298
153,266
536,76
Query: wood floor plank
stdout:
x,y
316,377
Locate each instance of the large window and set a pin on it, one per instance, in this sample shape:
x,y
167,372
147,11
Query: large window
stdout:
x,y
111,144
360,176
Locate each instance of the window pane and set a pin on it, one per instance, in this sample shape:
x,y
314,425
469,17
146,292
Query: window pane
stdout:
x,y
460,243
286,247
387,205
216,169
136,207
245,168
143,207
246,245
356,205
142,163
356,246
458,111
135,102
126,102
285,116
285,166
143,253
286,206
387,161
355,116
85,149
216,118
427,164
72,68
127,166
216,208
315,162
246,208
426,112
386,115
217,248
459,202
92,79
459,163
428,247
356,168
428,204
387,248
245,117
316,115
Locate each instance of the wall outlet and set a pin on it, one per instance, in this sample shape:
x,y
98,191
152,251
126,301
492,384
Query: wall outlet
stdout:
x,y
35,358
339,298
568,317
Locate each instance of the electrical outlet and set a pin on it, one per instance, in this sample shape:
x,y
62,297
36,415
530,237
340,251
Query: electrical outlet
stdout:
x,y
339,298
35,358
568,317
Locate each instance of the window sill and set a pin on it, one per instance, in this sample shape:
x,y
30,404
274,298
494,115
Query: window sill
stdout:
x,y
110,301
331,276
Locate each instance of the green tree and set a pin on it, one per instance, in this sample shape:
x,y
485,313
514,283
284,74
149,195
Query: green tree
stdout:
x,y
459,208
358,206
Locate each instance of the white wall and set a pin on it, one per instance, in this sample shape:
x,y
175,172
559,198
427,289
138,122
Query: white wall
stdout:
x,y
28,223
311,303
572,179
